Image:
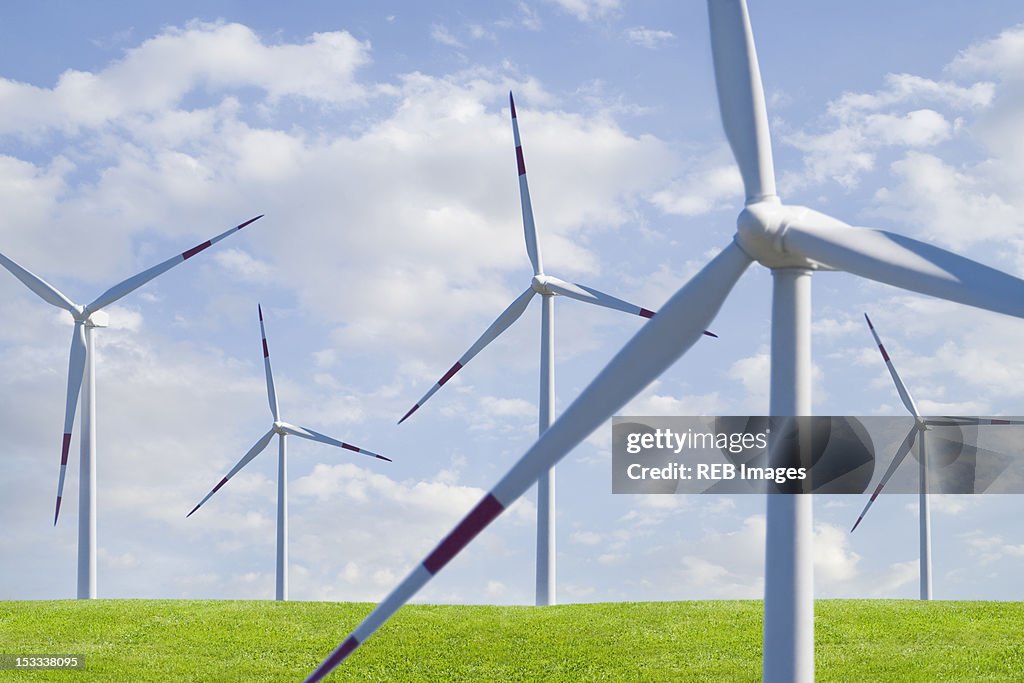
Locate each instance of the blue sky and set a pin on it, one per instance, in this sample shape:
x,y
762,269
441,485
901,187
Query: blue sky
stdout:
x,y
376,140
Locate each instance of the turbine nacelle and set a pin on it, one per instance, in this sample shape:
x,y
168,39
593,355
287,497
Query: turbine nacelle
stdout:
x,y
542,284
761,232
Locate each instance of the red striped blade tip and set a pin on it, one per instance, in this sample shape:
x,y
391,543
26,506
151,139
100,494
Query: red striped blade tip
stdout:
x,y
64,447
411,411
334,659
251,220
472,524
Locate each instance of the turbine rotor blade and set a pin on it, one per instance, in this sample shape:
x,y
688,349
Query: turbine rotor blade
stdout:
x,y
901,453
654,348
76,373
271,394
947,420
312,435
901,388
131,284
905,263
529,227
253,452
41,287
741,96
507,317
598,298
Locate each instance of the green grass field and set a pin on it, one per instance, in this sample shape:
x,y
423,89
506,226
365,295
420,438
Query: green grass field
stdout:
x,y
167,640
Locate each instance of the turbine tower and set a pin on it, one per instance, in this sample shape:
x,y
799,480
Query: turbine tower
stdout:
x,y
791,241
82,380
919,429
282,429
548,286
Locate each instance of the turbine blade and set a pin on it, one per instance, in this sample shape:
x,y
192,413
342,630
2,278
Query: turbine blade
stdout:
x,y
271,394
901,453
598,298
741,96
76,372
529,227
41,287
901,388
312,435
905,263
507,317
949,420
131,284
653,349
253,452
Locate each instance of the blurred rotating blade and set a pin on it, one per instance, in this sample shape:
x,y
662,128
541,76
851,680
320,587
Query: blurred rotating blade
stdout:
x,y
905,263
650,352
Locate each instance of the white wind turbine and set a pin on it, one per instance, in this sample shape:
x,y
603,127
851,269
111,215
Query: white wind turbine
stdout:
x,y
282,429
81,380
920,427
792,241
548,286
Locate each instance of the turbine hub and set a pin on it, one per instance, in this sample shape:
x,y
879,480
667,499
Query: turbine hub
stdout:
x,y
540,285
279,428
761,232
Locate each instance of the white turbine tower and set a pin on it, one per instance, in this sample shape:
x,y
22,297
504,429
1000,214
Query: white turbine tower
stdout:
x,y
548,287
919,429
282,429
792,241
81,380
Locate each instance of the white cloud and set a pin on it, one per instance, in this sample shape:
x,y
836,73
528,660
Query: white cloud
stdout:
x,y
585,537
959,208
712,183
442,35
157,74
242,264
588,10
648,37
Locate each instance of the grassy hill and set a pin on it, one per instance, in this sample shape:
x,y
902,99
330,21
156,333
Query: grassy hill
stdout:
x,y
170,640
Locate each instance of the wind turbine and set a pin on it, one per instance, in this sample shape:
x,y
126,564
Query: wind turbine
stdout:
x,y
282,429
920,427
792,241
548,286
81,380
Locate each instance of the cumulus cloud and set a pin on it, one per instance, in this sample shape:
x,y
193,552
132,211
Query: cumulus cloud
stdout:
x,y
648,37
588,10
161,71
